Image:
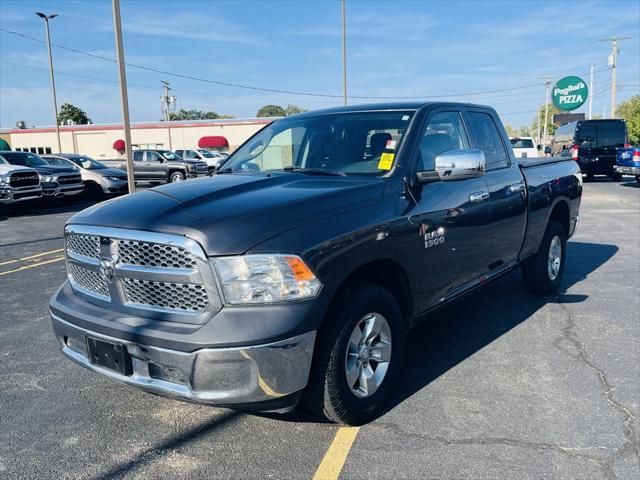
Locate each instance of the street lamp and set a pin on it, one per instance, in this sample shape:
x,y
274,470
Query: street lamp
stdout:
x,y
46,19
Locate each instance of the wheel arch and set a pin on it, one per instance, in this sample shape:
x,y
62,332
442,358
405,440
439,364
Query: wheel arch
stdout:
x,y
562,215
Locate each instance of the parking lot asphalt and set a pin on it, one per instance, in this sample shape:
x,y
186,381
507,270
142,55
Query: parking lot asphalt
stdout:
x,y
501,385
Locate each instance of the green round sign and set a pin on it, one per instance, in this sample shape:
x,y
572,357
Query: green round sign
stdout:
x,y
569,93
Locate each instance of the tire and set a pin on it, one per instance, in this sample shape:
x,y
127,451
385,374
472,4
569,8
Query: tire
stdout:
x,y
329,394
93,191
616,177
638,178
589,177
175,177
540,276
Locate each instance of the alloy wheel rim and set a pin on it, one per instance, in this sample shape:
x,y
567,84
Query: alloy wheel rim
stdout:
x,y
368,355
555,257
176,178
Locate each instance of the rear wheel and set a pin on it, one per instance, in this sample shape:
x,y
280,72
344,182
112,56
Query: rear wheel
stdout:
x,y
175,177
358,358
616,177
543,272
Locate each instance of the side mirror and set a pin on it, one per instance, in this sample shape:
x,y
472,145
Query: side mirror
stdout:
x,y
455,165
539,147
547,149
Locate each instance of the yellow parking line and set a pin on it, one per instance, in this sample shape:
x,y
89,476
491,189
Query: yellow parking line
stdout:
x,y
31,257
334,459
33,265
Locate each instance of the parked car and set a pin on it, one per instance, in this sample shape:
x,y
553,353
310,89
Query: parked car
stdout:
x,y
213,159
628,162
18,184
302,264
593,144
162,166
56,181
98,179
524,147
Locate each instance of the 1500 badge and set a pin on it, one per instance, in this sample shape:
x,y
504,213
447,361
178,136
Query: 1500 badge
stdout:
x,y
432,239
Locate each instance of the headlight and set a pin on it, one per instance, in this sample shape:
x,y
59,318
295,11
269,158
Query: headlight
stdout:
x,y
115,179
247,279
4,179
48,178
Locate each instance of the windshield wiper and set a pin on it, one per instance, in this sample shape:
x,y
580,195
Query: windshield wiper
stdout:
x,y
315,171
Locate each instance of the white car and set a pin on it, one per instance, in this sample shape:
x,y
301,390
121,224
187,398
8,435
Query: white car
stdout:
x,y
18,184
213,159
524,147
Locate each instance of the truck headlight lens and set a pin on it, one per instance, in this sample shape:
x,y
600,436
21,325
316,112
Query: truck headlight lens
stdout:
x,y
4,179
48,178
256,279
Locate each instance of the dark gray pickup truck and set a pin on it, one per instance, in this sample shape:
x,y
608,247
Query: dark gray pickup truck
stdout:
x,y
162,166
298,269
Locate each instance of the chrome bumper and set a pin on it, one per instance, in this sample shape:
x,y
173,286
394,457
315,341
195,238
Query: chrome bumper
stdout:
x,y
627,170
8,194
215,376
63,190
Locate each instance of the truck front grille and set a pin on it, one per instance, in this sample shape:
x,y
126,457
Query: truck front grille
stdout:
x,y
173,296
24,179
140,271
154,255
69,179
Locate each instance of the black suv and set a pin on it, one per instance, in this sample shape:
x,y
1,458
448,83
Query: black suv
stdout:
x,y
593,144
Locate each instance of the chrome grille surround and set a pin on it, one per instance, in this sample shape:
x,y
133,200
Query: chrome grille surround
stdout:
x,y
162,276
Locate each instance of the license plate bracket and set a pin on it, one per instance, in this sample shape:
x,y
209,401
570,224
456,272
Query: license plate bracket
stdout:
x,y
109,355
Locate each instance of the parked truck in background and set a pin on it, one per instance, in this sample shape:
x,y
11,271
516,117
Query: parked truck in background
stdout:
x,y
296,272
18,184
628,162
592,144
525,147
212,159
162,166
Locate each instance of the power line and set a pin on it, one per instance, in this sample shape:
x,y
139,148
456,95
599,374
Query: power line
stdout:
x,y
263,89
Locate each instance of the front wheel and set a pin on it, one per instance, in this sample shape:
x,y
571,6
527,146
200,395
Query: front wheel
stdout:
x,y
638,178
616,177
175,177
359,356
543,272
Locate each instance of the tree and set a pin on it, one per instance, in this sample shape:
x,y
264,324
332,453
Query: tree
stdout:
x,y
293,110
70,114
551,128
630,111
194,114
271,111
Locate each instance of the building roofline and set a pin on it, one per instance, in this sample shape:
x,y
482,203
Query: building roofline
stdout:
x,y
225,122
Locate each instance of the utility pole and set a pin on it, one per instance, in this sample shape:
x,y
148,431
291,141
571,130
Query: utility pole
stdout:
x,y
613,61
591,92
547,82
167,101
46,19
344,50
123,94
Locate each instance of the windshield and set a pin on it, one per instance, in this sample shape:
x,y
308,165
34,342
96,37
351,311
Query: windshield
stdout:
x,y
3,161
88,163
25,159
358,143
207,154
169,155
522,143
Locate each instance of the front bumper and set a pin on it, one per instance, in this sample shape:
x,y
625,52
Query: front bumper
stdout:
x,y
9,195
627,170
57,190
113,186
216,376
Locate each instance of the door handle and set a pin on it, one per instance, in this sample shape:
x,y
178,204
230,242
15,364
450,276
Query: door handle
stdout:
x,y
478,196
516,187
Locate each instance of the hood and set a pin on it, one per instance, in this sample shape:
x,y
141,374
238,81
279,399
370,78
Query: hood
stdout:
x,y
108,172
14,168
51,170
230,214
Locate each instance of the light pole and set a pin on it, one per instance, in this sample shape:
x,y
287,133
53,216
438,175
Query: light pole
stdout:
x,y
344,50
46,19
123,94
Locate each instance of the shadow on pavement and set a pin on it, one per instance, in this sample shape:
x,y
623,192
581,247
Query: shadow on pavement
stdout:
x,y
454,334
179,440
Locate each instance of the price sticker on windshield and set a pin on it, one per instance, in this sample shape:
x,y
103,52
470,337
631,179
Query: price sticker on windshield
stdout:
x,y
386,161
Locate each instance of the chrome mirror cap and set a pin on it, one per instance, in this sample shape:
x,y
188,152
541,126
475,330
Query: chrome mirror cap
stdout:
x,y
460,164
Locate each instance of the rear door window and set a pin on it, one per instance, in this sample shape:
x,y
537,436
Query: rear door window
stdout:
x,y
487,138
611,135
586,136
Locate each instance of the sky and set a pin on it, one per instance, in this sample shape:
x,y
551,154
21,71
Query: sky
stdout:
x,y
427,49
